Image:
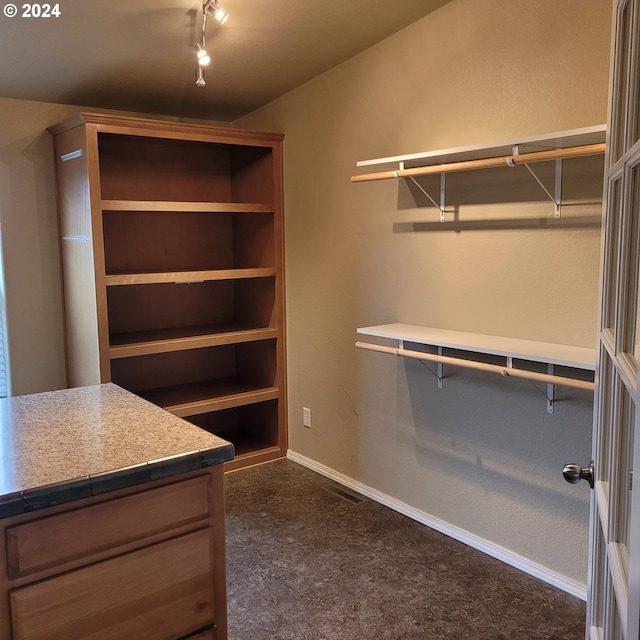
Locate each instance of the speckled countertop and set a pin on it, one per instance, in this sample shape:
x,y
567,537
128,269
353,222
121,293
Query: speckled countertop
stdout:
x,y
65,445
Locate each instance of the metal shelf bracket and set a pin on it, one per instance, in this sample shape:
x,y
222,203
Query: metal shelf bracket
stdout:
x,y
557,197
551,390
440,206
438,373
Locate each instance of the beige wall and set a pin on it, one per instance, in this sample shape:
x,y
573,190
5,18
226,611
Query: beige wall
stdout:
x,y
28,224
482,454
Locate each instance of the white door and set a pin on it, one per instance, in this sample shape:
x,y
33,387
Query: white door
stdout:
x,y
613,608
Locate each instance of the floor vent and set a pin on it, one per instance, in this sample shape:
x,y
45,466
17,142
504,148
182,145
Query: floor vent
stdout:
x,y
343,493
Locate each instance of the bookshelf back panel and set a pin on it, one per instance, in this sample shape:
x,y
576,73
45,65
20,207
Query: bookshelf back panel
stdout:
x,y
252,175
186,241
149,168
253,362
245,303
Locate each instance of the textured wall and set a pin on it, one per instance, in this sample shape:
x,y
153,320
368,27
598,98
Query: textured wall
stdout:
x,y
481,454
29,228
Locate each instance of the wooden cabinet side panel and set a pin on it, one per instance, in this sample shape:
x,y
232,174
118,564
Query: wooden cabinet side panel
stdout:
x,y
161,591
5,619
76,232
280,302
218,551
96,196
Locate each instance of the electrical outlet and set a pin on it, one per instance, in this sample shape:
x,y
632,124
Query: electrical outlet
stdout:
x,y
306,417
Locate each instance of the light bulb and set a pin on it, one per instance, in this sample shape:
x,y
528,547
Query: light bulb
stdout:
x,y
202,56
221,16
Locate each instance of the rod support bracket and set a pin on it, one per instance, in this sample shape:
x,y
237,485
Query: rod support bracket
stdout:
x,y
441,206
551,390
556,198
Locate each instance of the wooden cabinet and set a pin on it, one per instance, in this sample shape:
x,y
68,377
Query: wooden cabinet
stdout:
x,y
146,562
172,253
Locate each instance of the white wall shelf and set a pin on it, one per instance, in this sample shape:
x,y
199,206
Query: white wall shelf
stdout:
x,y
470,348
511,153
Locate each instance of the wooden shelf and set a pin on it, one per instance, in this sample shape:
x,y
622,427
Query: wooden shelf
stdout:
x,y
253,451
210,395
139,343
159,277
186,207
245,443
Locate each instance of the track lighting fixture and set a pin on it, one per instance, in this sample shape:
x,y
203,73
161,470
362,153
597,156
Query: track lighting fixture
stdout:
x,y
202,57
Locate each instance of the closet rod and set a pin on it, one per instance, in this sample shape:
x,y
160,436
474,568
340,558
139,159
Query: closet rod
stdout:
x,y
486,163
482,366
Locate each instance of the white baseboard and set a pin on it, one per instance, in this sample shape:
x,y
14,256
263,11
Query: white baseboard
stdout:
x,y
495,551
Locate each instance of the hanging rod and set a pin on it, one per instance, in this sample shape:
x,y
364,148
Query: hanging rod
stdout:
x,y
481,366
486,163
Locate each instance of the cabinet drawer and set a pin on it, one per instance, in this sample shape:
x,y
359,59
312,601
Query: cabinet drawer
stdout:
x,y
161,591
51,541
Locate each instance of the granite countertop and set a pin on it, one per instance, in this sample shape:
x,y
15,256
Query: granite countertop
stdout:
x,y
65,445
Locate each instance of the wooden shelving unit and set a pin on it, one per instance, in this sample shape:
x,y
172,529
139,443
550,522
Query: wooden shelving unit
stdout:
x,y
172,251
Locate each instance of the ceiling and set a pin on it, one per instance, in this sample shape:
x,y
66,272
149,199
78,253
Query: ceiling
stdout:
x,y
138,55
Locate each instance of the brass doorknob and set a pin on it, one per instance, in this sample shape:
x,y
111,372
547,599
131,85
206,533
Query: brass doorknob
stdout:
x,y
573,473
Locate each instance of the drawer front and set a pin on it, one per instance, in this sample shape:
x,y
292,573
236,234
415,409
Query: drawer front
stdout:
x,y
161,591
75,534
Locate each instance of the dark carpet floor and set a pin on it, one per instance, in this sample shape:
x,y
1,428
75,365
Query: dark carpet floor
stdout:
x,y
305,563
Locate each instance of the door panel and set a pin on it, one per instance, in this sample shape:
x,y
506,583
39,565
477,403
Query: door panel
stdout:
x,y
614,597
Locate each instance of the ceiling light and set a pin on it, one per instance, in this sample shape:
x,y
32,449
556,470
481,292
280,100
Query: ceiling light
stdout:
x,y
202,57
212,7
220,15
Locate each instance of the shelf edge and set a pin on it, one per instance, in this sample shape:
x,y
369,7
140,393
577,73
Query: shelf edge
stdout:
x,y
163,277
166,345
230,401
185,207
582,135
562,355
